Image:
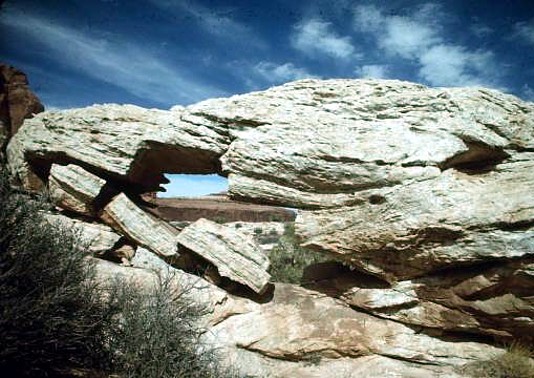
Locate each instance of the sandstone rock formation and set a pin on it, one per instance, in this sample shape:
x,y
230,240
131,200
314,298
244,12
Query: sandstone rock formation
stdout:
x,y
73,188
17,102
124,215
424,194
234,255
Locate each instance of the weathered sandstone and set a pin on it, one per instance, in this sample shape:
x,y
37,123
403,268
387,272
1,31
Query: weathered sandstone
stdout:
x,y
235,256
425,194
73,188
17,102
125,216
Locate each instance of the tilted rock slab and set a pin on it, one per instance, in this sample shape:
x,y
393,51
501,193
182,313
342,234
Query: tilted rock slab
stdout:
x,y
235,255
125,216
98,238
73,188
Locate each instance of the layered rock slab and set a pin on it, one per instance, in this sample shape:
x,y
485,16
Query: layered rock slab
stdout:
x,y
414,229
73,188
235,255
96,237
125,216
494,300
299,325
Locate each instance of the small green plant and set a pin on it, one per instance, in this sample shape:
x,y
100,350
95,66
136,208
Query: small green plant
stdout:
x,y
288,258
258,231
516,362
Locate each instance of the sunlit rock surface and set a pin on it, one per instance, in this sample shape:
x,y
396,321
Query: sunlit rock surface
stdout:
x,y
425,194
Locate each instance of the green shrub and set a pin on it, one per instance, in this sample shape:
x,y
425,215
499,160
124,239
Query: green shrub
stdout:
x,y
515,363
56,320
288,259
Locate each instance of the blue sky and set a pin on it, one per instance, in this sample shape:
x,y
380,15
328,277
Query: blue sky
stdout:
x,y
158,53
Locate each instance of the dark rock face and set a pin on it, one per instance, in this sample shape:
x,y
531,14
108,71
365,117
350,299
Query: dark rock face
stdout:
x,y
17,102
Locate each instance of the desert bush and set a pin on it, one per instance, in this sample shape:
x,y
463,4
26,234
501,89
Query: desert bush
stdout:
x,y
157,334
288,258
51,319
515,363
57,320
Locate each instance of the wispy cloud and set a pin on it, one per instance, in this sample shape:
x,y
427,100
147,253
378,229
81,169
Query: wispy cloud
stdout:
x,y
215,21
315,37
373,71
123,63
281,73
525,31
420,39
456,66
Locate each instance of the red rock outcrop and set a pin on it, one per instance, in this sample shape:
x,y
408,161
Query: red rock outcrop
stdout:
x,y
17,102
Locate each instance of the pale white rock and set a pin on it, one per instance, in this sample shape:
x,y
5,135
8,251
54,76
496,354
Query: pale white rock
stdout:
x,y
73,188
301,325
413,229
234,255
98,238
124,142
125,216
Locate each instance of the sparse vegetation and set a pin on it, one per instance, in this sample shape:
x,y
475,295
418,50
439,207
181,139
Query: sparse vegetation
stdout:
x,y
57,320
288,259
515,363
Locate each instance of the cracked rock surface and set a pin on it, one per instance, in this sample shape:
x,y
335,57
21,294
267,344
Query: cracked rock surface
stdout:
x,y
425,194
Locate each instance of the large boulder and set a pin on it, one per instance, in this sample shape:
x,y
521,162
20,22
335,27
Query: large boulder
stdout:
x,y
424,192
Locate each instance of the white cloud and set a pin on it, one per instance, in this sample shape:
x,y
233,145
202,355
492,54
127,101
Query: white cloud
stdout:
x,y
407,37
315,37
455,66
375,71
401,35
419,39
127,65
280,73
525,31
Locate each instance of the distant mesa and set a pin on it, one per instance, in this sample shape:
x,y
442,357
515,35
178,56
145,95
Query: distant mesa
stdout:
x,y
218,207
